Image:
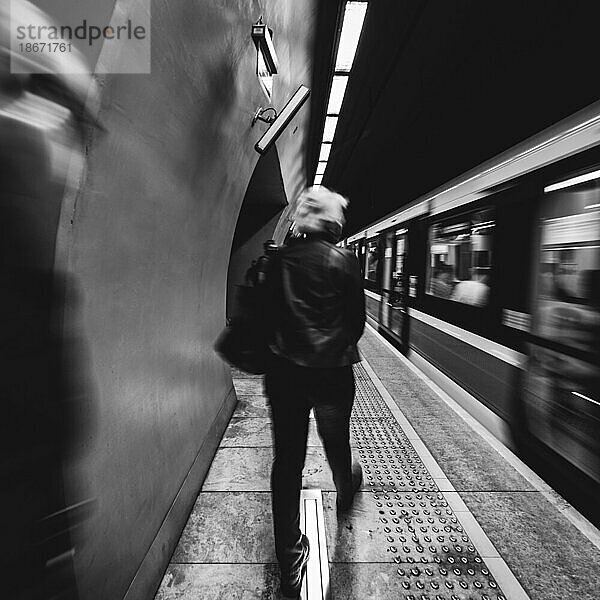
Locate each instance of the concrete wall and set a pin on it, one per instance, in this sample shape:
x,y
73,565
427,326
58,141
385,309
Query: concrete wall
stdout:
x,y
147,241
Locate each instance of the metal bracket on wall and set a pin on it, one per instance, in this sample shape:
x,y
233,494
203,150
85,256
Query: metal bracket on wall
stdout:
x,y
259,115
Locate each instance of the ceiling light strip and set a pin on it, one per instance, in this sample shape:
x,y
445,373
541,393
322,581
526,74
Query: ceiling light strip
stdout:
x,y
352,24
354,16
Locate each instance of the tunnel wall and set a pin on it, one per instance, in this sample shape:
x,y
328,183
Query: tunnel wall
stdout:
x,y
146,243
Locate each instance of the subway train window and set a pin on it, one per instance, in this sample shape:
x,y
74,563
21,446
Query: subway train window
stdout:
x,y
372,261
562,402
567,298
460,258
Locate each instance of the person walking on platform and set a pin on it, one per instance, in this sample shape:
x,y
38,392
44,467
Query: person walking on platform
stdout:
x,y
316,315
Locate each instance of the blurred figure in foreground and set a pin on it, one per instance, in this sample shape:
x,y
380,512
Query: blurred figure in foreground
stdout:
x,y
40,129
316,310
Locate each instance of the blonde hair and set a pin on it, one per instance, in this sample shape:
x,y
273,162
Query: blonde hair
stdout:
x,y
317,208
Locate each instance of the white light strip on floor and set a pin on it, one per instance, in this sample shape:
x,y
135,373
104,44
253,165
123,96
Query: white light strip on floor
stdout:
x,y
312,523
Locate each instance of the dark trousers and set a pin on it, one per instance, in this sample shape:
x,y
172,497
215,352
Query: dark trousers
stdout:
x,y
292,391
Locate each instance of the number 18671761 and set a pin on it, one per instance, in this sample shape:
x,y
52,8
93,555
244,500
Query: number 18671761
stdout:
x,y
39,47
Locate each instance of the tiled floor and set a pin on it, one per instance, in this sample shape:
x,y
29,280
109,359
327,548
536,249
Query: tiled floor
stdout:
x,y
226,550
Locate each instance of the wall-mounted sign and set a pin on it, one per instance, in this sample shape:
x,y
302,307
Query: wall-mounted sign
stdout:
x,y
264,76
281,120
266,59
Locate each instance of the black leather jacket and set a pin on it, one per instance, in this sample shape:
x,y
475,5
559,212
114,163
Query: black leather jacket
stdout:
x,y
315,303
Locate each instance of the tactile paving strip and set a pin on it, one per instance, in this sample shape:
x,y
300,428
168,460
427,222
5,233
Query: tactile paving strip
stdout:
x,y
436,558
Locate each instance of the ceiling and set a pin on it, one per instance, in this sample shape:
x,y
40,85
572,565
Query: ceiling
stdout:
x,y
438,87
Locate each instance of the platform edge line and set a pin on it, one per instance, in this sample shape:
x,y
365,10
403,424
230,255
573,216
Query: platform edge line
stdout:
x,y
502,573
584,526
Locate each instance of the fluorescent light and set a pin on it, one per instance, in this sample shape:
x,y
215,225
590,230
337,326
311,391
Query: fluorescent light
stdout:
x,y
354,16
336,96
352,23
573,181
585,398
591,206
318,179
325,150
321,168
330,125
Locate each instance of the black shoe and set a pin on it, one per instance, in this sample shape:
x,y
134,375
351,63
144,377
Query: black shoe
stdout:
x,y
291,582
344,501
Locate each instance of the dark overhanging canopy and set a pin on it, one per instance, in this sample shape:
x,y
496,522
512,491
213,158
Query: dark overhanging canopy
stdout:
x,y
265,197
439,87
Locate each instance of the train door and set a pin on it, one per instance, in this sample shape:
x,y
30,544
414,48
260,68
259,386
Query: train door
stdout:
x,y
360,254
394,284
386,278
562,405
372,277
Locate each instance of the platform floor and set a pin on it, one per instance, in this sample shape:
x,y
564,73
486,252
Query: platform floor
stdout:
x,y
441,515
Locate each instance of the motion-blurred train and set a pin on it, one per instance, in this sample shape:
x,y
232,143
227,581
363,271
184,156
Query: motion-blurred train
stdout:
x,y
491,285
